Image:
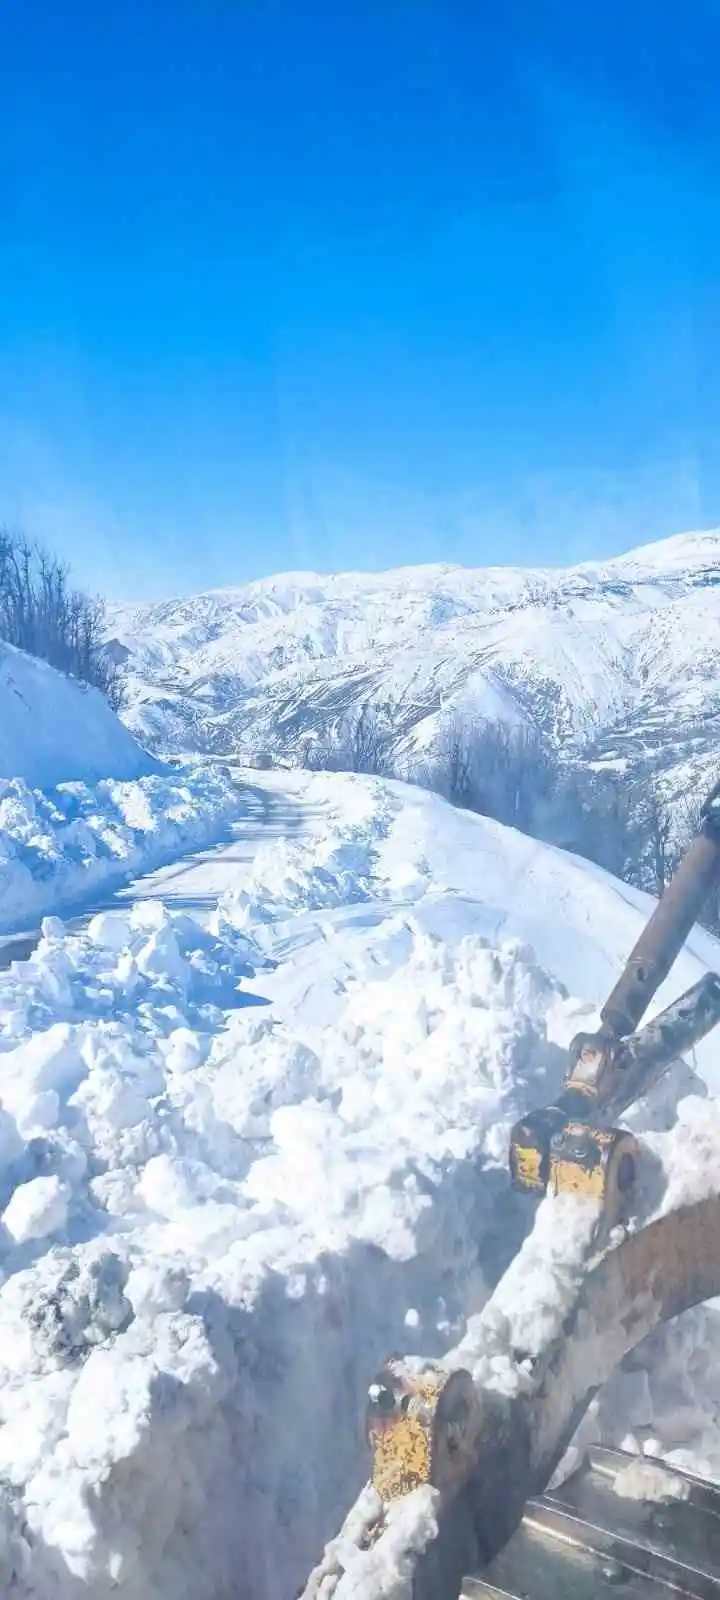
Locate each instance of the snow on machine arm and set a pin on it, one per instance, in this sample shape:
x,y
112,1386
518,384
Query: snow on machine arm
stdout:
x,y
461,1445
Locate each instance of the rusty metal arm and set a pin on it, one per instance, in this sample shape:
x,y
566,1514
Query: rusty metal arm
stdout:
x,y
664,936
646,1055
614,1066
655,1274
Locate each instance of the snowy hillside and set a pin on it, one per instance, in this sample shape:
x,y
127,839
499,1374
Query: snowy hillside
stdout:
x,y
54,729
249,1147
620,659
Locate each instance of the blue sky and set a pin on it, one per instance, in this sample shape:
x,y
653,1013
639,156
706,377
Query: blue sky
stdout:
x,y
289,285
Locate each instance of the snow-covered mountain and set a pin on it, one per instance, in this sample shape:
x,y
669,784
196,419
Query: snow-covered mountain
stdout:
x,y
617,659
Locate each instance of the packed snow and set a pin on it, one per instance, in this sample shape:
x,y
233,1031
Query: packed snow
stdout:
x,y
645,1480
54,729
616,661
253,1138
60,845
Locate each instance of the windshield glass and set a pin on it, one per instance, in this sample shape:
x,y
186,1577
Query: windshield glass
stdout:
x,y
359,686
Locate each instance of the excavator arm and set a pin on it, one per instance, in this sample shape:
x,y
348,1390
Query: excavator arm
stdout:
x,y
486,1457
664,935
487,1526
565,1145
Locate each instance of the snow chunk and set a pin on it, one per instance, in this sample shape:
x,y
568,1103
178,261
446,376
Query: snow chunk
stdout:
x,y
643,1480
348,1572
688,1152
72,1302
36,1209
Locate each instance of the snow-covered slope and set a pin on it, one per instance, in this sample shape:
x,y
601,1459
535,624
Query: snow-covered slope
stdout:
x,y
82,806
228,1188
53,728
621,658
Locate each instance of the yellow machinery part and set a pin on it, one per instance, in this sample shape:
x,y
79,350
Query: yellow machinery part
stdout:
x,y
530,1148
594,1066
506,1453
422,1422
527,1164
598,1163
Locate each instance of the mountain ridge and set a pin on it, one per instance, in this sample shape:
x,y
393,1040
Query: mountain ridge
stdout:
x,y
616,659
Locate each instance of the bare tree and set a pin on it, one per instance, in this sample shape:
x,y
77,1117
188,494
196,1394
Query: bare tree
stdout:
x,y
41,612
594,814
360,742
656,826
369,737
495,768
451,771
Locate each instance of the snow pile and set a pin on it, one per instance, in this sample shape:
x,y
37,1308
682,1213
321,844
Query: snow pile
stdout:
x,y
688,1152
212,1222
467,873
331,865
59,846
53,728
419,1075
100,1034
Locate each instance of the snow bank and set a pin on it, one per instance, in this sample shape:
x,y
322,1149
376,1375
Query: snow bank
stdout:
x,y
334,862
211,1219
207,1230
60,846
245,1157
100,1160
53,728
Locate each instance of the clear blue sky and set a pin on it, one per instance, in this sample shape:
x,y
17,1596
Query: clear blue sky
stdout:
x,y
290,284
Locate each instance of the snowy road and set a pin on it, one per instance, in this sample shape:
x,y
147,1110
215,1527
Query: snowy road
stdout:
x,y
195,881
64,848
218,1216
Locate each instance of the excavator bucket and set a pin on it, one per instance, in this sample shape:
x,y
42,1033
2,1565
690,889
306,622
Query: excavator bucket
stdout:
x,y
540,1152
567,1145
